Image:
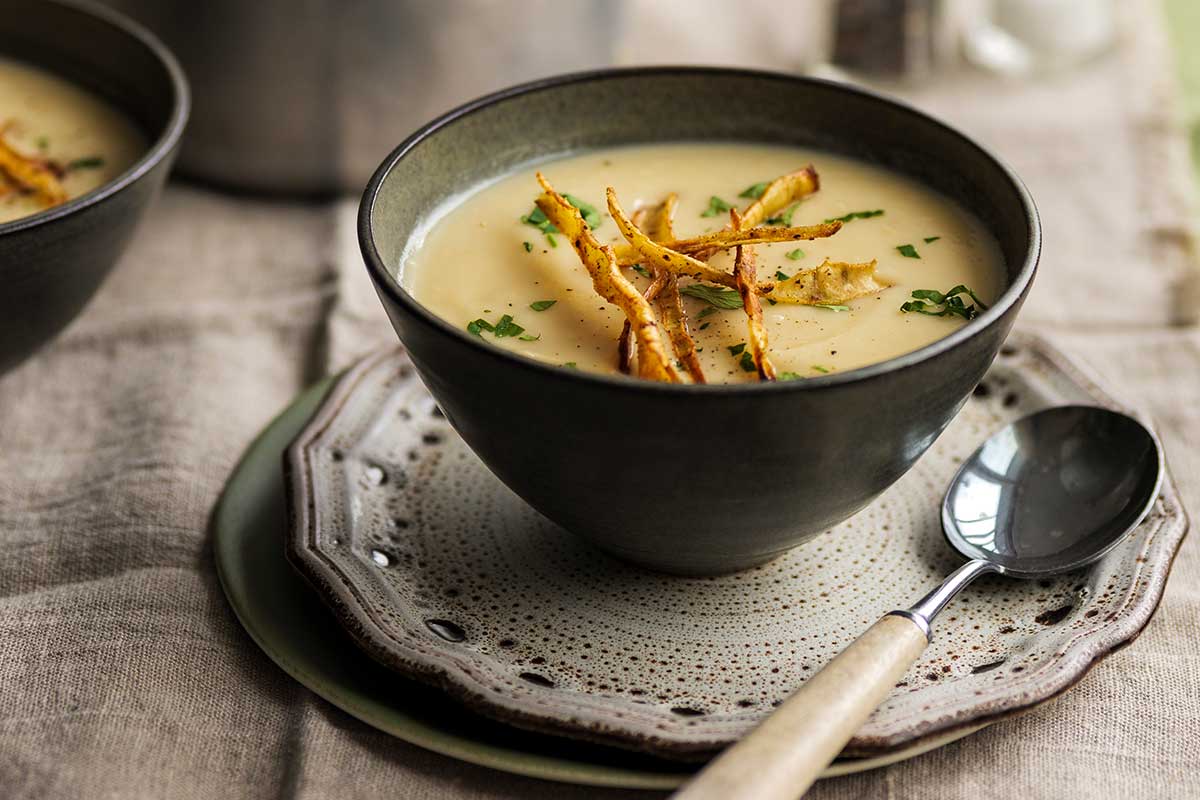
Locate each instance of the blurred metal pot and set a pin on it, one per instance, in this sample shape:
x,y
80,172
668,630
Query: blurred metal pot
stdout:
x,y
308,96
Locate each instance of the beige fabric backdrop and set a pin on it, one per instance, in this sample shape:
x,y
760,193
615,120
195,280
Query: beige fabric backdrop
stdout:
x,y
123,673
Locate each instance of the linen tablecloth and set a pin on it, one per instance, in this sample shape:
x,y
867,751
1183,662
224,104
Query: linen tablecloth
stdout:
x,y
123,673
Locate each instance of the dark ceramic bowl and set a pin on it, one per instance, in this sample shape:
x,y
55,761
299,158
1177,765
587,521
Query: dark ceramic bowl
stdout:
x,y
633,465
51,263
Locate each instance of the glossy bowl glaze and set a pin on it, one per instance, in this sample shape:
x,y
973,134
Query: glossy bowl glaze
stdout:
x,y
682,478
52,262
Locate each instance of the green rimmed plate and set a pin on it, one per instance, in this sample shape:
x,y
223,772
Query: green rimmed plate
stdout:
x,y
295,629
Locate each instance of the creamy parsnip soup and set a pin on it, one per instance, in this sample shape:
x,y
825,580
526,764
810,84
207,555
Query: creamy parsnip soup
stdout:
x,y
57,141
832,264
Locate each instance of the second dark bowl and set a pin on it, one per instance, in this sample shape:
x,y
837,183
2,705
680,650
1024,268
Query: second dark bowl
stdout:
x,y
651,472
51,263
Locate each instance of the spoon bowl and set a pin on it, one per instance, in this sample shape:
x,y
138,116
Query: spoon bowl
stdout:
x,y
1054,491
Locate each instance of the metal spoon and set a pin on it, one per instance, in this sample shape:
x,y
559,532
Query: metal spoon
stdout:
x,y
1048,494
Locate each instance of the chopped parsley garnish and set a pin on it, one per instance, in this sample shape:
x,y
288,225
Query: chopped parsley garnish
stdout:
x,y
931,239
795,255
590,215
771,301
704,312
790,376
830,307
857,215
506,327
525,337
528,247
719,296
784,217
542,305
754,192
90,162
538,219
944,304
715,206
571,365
43,143
640,270
705,325
908,251
781,275
502,329
820,369
747,362
736,349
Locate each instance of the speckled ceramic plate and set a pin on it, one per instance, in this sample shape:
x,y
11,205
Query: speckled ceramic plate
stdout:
x,y
441,573
284,617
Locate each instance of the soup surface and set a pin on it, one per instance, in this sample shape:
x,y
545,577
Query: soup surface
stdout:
x,y
474,258
57,140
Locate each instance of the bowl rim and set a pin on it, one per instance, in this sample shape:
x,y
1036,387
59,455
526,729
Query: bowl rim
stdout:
x,y
388,283
159,149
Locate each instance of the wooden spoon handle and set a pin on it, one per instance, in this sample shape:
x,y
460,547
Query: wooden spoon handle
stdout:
x,y
782,757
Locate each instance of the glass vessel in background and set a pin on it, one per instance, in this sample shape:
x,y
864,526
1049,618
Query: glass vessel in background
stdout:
x,y
1028,37
893,40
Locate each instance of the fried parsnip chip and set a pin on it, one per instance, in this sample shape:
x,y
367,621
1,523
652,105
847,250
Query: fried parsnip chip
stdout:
x,y
781,193
777,196
609,283
745,274
832,283
656,255
31,175
663,294
702,247
625,340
